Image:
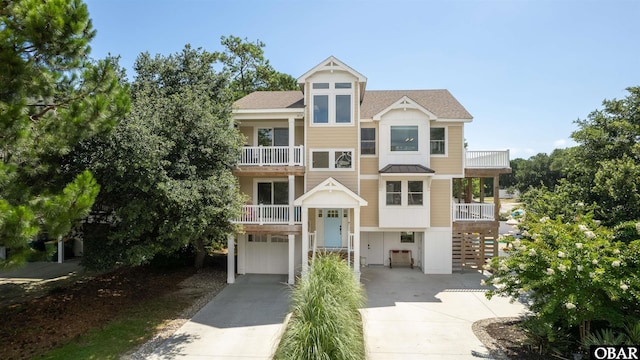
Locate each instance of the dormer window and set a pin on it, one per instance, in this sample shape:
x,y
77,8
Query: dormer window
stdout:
x,y
331,103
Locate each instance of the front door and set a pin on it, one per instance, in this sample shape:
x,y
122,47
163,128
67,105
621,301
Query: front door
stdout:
x,y
333,228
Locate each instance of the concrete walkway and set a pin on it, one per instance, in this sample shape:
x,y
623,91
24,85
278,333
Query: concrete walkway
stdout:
x,y
244,321
410,315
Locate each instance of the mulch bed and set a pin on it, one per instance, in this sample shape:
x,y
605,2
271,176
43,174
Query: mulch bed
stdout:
x,y
32,326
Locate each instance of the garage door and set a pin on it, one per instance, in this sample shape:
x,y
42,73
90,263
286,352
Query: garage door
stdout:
x,y
267,254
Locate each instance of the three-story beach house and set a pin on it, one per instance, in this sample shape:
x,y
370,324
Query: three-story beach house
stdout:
x,y
366,173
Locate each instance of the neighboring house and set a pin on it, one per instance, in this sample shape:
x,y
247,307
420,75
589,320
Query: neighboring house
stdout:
x,y
336,167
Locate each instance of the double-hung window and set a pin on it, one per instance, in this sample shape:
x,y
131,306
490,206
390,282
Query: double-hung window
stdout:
x,y
414,195
368,141
394,192
332,103
438,138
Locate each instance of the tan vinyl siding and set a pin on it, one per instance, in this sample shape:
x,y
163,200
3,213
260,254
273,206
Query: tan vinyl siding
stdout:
x,y
246,185
299,186
440,203
369,213
332,137
247,131
369,165
452,163
299,136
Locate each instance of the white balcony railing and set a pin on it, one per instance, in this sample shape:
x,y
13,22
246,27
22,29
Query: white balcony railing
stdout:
x,y
272,156
473,212
487,159
269,214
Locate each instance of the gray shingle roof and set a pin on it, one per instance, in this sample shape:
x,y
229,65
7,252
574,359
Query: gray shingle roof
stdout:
x,y
406,169
439,102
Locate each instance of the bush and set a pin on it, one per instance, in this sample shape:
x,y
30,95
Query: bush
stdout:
x,y
325,322
571,272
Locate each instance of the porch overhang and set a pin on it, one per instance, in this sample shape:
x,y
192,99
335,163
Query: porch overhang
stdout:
x,y
330,193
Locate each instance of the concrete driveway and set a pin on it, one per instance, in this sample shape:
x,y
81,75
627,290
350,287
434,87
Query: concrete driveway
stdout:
x,y
244,321
410,315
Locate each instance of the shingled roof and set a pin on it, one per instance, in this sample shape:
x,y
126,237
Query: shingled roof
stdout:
x,y
439,102
271,100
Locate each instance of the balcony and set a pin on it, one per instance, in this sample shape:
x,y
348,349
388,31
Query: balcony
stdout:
x,y
487,159
272,156
269,214
473,212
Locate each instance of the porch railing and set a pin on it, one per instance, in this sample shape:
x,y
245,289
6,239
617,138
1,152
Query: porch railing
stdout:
x,y
269,214
487,159
473,212
272,156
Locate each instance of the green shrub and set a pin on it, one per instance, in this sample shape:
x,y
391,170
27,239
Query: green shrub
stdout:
x,y
325,322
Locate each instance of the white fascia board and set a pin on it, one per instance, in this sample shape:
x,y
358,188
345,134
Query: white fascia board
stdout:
x,y
454,120
405,103
249,114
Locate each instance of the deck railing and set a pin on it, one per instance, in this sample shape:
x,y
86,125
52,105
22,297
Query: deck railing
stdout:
x,y
473,212
487,159
269,214
272,156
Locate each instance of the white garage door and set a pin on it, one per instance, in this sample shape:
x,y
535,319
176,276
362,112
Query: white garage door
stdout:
x,y
267,254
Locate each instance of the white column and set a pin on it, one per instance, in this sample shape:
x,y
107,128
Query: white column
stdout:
x,y
292,258
305,241
60,250
292,216
356,242
231,261
292,136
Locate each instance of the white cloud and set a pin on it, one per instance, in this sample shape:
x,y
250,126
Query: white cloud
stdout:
x,y
521,153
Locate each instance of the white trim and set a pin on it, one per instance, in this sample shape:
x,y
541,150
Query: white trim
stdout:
x,y
332,152
446,141
405,103
454,120
331,64
330,185
332,94
369,177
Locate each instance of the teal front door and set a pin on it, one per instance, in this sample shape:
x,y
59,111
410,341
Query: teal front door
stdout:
x,y
333,228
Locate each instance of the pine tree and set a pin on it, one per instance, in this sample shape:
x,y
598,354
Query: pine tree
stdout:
x,y
52,96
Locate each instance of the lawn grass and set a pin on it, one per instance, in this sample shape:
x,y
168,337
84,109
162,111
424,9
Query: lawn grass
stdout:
x,y
128,330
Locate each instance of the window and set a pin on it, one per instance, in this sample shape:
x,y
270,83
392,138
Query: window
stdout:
x,y
404,138
332,103
343,109
342,159
273,193
321,109
320,159
394,192
273,137
368,141
343,85
438,141
332,159
407,237
414,195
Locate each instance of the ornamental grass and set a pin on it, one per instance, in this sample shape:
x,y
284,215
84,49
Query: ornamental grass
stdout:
x,y
325,322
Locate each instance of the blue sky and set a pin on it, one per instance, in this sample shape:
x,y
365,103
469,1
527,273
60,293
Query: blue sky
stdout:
x,y
526,70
